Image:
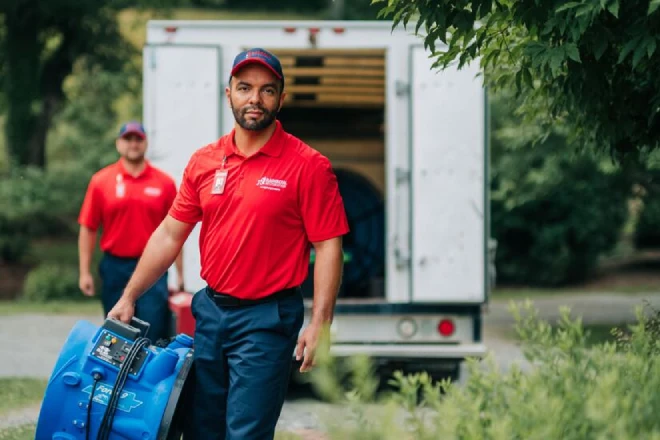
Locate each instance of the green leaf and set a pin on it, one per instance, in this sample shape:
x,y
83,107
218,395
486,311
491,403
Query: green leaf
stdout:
x,y
630,45
614,8
556,60
600,45
653,6
527,77
650,47
572,52
566,6
640,51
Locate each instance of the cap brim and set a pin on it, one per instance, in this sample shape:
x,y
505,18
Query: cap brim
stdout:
x,y
243,63
139,133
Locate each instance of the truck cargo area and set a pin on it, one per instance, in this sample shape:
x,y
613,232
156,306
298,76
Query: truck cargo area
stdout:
x,y
336,103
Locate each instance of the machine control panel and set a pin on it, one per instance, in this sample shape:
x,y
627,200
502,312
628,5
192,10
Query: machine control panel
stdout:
x,y
113,350
114,344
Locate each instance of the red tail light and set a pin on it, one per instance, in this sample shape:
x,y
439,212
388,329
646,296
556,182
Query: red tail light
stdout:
x,y
289,30
446,327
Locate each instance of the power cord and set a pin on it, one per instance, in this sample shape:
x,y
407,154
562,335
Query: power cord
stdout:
x,y
97,378
108,417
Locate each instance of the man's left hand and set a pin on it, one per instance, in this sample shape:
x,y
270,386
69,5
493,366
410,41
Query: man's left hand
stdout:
x,y
307,343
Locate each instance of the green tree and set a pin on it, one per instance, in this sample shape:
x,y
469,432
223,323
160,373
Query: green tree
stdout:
x,y
590,63
40,43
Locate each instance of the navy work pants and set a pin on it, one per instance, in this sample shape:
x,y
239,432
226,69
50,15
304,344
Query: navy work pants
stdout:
x,y
151,307
242,360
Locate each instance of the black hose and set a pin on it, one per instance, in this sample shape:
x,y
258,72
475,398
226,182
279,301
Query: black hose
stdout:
x,y
120,381
97,377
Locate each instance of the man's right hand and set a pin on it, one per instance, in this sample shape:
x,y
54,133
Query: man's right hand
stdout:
x,y
86,284
122,311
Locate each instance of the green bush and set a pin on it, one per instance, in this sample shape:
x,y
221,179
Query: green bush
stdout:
x,y
554,211
570,391
558,236
49,282
647,230
14,239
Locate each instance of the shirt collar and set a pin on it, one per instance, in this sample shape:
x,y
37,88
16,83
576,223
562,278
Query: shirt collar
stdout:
x,y
271,148
145,171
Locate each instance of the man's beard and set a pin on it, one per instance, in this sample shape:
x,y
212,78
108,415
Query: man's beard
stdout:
x,y
268,117
134,158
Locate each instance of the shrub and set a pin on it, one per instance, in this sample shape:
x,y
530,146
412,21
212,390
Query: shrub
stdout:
x,y
49,282
557,236
555,211
647,230
570,391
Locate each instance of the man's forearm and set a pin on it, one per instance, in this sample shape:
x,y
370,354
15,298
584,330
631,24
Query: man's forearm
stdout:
x,y
178,264
158,256
327,279
86,241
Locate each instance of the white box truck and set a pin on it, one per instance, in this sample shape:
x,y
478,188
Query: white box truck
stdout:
x,y
409,145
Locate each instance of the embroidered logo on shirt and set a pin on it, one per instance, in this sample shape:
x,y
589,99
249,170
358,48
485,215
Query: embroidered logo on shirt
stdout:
x,y
152,191
271,184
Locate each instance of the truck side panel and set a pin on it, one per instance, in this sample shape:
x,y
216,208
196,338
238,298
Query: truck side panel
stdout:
x,y
448,167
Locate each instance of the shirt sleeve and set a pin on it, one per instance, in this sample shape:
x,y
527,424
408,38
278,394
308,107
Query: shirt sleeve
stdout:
x,y
171,194
92,207
321,204
186,206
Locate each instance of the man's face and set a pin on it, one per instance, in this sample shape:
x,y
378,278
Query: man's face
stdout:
x,y
132,147
255,97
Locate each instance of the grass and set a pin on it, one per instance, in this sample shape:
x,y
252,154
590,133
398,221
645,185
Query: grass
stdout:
x,y
600,333
23,432
527,292
20,392
84,307
595,333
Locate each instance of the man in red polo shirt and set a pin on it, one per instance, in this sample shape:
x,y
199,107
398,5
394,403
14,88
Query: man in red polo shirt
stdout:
x,y
264,198
128,199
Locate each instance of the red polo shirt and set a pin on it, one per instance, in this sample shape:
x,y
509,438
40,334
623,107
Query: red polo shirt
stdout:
x,y
128,208
255,237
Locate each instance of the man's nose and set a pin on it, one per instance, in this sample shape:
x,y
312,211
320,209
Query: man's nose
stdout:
x,y
255,96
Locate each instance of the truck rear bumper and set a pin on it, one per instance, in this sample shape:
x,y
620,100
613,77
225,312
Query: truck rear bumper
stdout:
x,y
394,351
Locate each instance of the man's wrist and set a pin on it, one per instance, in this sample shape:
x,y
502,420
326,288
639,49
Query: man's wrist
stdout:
x,y
321,318
130,296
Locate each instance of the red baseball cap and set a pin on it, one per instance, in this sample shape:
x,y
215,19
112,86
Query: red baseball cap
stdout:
x,y
259,56
133,127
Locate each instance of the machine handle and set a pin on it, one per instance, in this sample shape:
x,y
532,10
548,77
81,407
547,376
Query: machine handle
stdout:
x,y
141,325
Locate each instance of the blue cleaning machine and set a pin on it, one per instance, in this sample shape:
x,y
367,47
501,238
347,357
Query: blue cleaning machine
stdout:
x,y
110,382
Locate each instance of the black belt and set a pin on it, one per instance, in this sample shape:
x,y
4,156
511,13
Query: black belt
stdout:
x,y
224,300
117,257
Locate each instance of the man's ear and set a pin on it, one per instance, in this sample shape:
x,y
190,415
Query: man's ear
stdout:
x,y
282,98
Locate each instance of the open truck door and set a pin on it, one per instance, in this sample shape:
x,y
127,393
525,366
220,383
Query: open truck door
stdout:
x,y
449,208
